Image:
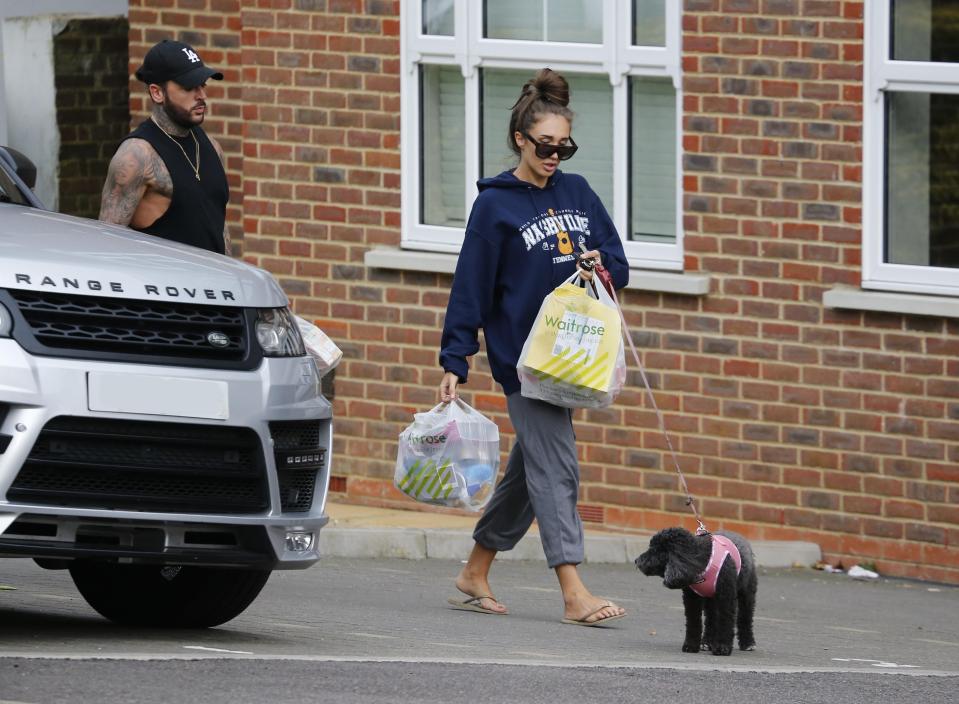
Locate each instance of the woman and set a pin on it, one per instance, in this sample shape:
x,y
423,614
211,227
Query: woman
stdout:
x,y
522,239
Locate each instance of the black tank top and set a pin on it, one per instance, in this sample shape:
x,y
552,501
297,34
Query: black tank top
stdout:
x,y
197,211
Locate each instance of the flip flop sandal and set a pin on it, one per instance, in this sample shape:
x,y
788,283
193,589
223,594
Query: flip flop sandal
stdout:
x,y
473,604
598,622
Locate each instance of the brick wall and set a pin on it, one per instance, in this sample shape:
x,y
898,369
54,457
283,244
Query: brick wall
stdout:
x,y
791,421
838,426
90,61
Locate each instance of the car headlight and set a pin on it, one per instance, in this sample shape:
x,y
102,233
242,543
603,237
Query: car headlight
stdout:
x,y
6,322
278,334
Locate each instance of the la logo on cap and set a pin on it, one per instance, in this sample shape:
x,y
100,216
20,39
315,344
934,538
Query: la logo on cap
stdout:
x,y
191,55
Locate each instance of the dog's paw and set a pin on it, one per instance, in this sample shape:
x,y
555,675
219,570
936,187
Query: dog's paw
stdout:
x,y
691,647
721,649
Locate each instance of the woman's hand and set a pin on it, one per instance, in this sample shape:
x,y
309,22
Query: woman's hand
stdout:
x,y
593,255
448,387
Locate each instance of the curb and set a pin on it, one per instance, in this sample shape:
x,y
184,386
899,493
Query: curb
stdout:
x,y
422,544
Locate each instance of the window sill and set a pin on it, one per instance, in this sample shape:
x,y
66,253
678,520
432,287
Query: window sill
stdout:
x,y
640,279
883,302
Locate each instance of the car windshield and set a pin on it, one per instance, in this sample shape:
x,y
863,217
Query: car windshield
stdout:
x,y
9,193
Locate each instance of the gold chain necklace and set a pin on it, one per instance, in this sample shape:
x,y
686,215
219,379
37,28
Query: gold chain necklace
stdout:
x,y
196,169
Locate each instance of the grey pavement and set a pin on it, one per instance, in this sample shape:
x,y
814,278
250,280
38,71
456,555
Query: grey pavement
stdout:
x,y
394,609
373,532
379,630
374,629
366,628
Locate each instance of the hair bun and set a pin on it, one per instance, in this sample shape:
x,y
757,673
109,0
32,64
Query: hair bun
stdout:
x,y
551,87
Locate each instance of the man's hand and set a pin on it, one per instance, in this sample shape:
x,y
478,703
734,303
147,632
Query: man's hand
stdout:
x,y
131,170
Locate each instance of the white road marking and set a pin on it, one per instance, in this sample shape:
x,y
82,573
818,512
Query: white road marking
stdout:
x,y
280,624
774,620
851,630
217,650
390,570
372,635
450,645
708,666
936,642
874,663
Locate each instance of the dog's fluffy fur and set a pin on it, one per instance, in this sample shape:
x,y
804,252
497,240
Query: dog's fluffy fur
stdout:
x,y
680,557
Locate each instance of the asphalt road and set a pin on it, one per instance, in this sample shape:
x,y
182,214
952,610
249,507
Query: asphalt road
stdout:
x,y
364,631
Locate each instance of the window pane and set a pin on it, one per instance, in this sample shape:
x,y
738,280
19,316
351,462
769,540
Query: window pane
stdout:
x,y
545,20
922,180
649,22
591,98
652,160
925,30
438,17
442,154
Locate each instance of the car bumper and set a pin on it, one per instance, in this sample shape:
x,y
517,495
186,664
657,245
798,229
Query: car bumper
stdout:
x,y
36,390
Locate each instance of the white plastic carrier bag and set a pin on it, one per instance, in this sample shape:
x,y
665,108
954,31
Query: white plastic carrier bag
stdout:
x,y
319,346
573,356
449,456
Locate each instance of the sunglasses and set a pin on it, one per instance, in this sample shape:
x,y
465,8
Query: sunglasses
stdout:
x,y
545,150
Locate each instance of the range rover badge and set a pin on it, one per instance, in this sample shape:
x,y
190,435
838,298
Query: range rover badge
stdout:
x,y
218,339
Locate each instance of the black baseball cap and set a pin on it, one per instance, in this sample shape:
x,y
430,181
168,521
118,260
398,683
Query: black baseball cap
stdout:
x,y
175,61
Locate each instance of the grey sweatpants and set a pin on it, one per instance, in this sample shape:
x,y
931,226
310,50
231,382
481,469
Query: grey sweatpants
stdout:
x,y
541,481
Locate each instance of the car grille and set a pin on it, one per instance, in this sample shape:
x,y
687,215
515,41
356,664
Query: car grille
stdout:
x,y
142,465
156,332
299,458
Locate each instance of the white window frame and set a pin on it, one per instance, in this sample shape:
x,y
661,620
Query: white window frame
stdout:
x,y
615,58
883,75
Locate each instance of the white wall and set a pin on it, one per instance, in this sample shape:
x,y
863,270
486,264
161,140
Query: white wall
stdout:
x,y
28,118
31,98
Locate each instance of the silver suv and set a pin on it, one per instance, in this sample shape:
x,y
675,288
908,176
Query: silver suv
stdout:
x,y
163,435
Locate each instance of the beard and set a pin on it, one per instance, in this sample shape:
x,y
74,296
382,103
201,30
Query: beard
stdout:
x,y
179,116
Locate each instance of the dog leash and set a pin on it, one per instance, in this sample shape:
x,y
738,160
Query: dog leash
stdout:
x,y
607,282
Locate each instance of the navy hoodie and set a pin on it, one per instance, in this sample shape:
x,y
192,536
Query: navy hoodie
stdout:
x,y
521,242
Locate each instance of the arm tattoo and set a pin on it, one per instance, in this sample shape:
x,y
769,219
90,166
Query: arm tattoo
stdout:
x,y
227,242
127,178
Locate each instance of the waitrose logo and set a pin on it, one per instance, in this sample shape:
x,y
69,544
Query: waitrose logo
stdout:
x,y
574,327
427,439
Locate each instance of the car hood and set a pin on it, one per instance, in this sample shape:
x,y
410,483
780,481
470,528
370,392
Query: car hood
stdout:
x,y
44,251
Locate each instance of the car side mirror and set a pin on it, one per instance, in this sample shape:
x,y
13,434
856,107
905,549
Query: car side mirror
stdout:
x,y
25,168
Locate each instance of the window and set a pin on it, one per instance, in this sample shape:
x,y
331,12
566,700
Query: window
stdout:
x,y
464,64
911,155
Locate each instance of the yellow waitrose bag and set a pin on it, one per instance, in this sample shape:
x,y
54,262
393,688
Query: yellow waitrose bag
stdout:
x,y
574,356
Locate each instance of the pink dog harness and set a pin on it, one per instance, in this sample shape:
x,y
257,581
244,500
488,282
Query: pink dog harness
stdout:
x,y
723,547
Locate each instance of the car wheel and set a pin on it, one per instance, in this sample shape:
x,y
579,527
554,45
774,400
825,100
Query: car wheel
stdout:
x,y
167,596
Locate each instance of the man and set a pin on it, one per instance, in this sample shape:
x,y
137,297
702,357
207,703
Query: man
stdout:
x,y
167,177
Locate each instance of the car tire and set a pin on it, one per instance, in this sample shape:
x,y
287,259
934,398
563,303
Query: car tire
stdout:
x,y
171,596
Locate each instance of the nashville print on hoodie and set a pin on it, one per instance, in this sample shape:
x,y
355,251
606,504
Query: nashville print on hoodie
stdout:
x,y
521,242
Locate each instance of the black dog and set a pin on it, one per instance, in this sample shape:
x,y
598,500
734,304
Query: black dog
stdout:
x,y
681,559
